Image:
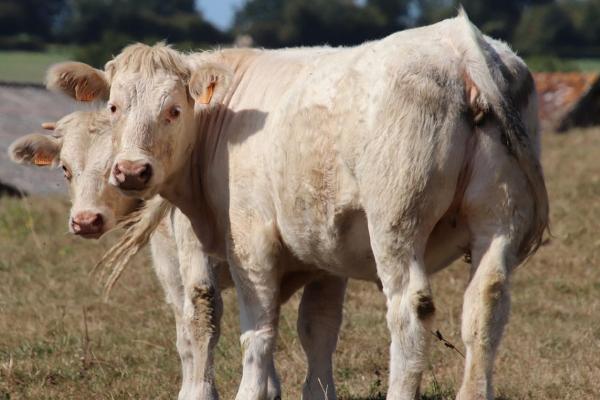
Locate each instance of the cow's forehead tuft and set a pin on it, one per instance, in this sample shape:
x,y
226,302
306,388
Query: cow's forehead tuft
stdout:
x,y
149,61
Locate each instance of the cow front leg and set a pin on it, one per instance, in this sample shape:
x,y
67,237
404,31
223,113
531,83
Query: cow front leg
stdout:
x,y
202,313
184,348
202,310
273,382
319,321
259,313
485,313
253,269
166,265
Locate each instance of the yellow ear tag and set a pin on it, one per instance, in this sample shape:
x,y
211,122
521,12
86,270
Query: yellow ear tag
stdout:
x,y
42,159
208,94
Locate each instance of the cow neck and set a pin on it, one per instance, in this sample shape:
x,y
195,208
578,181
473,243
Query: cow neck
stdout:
x,y
186,192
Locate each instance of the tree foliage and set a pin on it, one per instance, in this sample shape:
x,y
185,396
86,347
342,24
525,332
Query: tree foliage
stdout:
x,y
100,27
553,27
27,23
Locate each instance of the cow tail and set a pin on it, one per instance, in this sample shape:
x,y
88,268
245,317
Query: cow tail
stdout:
x,y
481,72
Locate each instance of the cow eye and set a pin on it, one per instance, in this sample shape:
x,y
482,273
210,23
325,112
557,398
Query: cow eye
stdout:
x,y
112,108
174,113
67,173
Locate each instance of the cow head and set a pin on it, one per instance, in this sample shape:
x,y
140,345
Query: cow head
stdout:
x,y
80,144
154,98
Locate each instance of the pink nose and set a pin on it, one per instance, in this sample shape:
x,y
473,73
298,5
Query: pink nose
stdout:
x,y
87,223
132,175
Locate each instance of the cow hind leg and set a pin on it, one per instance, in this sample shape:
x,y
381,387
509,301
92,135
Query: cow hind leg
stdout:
x,y
319,321
485,313
499,212
410,309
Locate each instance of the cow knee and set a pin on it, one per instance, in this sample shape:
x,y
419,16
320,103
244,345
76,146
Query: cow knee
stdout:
x,y
486,308
494,287
423,304
403,307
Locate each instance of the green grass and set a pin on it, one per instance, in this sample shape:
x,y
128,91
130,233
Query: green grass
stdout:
x,y
554,64
587,64
549,351
30,67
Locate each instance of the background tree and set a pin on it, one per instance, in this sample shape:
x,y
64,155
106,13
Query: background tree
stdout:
x,y
103,27
28,23
545,29
280,23
99,28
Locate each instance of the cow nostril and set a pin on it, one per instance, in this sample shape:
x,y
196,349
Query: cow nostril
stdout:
x,y
118,173
132,175
145,173
75,225
87,223
98,221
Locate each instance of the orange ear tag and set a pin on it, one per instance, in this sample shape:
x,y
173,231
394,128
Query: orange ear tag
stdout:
x,y
82,92
41,159
85,96
50,126
208,94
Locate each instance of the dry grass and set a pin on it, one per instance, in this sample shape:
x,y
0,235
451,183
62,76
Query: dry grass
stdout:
x,y
47,304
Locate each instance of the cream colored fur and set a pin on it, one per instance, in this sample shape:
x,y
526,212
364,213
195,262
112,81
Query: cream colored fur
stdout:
x,y
80,143
192,281
350,161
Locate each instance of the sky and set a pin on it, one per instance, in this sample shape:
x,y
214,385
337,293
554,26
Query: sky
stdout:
x,y
219,12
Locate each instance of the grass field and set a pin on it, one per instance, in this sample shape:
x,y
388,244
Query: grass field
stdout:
x,y
59,341
26,66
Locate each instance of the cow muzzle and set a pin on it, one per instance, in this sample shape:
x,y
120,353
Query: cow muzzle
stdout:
x,y
132,175
88,224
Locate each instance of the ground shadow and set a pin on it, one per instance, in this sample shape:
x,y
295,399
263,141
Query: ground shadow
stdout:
x,y
11,191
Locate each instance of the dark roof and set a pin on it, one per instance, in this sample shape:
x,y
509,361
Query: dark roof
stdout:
x,y
567,99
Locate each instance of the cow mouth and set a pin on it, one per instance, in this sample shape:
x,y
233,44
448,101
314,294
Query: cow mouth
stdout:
x,y
90,235
137,193
141,194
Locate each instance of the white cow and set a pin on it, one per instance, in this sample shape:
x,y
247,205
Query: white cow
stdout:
x,y
81,144
343,160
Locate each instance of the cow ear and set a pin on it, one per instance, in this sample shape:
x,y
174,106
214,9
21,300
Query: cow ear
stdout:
x,y
209,84
78,81
36,149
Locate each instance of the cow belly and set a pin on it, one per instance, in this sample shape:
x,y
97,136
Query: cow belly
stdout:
x,y
345,249
341,247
